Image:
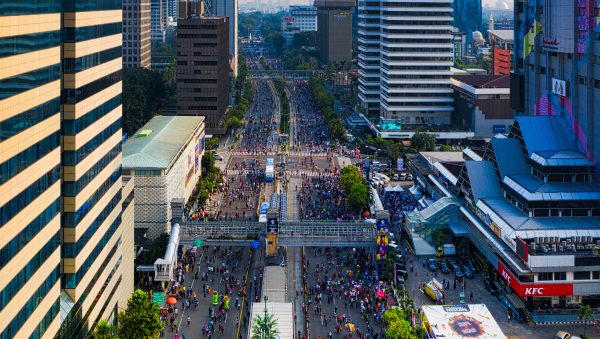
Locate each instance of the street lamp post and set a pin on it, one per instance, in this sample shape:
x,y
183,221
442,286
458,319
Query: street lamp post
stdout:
x,y
265,330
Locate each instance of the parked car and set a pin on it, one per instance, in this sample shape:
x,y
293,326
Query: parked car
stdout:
x,y
444,267
562,335
395,177
468,273
490,285
409,177
403,177
218,157
431,265
458,272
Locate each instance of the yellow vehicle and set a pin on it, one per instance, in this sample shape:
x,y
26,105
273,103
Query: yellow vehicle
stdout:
x,y
434,290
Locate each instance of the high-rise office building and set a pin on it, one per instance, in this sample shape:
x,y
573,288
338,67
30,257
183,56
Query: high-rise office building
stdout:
x,y
556,58
66,240
158,20
334,37
405,55
202,66
173,9
229,8
467,16
136,33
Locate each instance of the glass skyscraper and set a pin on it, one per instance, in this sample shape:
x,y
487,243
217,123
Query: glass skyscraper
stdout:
x,y
467,16
66,240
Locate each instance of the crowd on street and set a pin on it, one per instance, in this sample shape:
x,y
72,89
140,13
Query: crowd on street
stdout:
x,y
312,131
342,296
321,198
398,202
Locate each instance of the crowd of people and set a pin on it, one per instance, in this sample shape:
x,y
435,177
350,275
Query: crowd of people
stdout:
x,y
321,198
260,120
398,202
311,131
222,289
341,296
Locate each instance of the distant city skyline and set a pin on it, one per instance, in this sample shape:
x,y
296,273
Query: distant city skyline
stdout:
x,y
507,4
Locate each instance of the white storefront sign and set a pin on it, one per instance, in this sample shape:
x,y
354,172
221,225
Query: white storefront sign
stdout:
x,y
559,87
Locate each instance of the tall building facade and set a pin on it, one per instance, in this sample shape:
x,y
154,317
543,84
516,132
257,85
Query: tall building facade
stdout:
x,y
305,17
203,67
136,33
66,241
405,55
173,9
158,20
468,16
334,36
557,66
229,8
501,45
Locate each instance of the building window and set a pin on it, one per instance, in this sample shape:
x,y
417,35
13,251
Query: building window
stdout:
x,y
585,275
545,276
560,275
582,80
597,83
596,275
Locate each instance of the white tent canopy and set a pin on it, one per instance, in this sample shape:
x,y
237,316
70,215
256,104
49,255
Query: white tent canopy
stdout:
x,y
390,188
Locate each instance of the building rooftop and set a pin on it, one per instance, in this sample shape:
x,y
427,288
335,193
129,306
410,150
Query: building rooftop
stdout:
x,y
165,138
503,34
484,81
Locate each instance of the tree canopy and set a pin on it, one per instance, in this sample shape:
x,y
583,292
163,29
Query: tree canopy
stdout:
x,y
324,101
304,39
265,327
423,142
104,330
145,93
355,187
398,325
141,319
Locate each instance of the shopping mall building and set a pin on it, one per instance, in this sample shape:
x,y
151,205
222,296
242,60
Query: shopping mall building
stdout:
x,y
528,203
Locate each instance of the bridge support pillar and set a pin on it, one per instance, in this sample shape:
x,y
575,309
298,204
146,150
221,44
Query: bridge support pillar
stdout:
x,y
272,238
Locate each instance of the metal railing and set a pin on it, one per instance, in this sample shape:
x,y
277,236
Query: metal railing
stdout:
x,y
354,231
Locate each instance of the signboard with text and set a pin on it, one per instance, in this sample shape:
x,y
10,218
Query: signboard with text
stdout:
x,y
272,225
534,289
158,298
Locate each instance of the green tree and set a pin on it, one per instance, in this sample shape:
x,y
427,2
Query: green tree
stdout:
x,y
104,330
422,142
141,319
276,39
208,162
234,123
304,39
358,196
265,327
350,176
398,325
446,148
212,143
585,314
145,93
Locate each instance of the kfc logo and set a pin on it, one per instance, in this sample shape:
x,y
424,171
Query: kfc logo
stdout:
x,y
506,276
534,291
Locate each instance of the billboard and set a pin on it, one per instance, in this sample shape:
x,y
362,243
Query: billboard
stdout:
x,y
534,289
400,164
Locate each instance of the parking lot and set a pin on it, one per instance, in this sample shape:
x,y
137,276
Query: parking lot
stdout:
x,y
421,274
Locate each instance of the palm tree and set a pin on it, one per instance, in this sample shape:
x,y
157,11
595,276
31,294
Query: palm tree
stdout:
x,y
104,330
265,327
585,314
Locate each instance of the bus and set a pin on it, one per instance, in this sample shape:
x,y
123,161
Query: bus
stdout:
x,y
262,213
269,173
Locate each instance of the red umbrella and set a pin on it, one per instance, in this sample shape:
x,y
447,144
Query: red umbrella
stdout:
x,y
366,214
380,294
171,301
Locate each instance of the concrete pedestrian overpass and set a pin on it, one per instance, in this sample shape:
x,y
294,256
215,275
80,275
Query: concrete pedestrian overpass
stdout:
x,y
290,233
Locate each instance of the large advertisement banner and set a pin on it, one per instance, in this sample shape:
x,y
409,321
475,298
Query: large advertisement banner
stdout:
x,y
534,289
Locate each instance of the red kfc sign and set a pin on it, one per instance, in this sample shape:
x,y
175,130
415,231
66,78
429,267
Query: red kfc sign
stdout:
x,y
534,290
